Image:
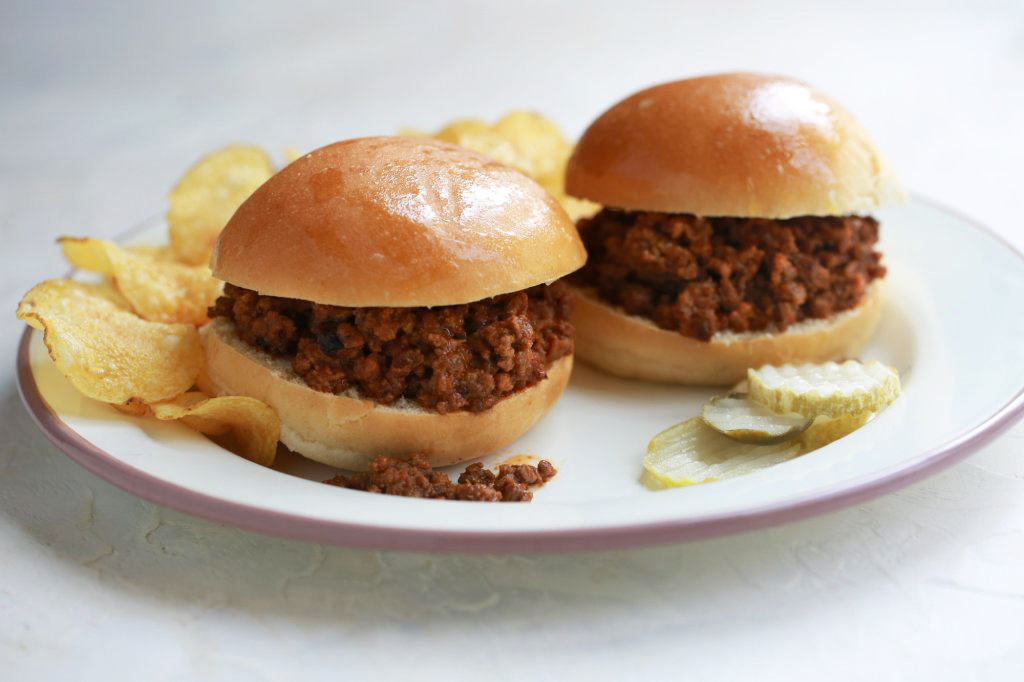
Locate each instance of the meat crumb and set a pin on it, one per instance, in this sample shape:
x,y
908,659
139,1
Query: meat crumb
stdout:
x,y
416,478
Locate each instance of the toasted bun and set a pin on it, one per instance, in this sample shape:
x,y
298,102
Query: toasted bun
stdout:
x,y
346,431
396,221
739,144
634,347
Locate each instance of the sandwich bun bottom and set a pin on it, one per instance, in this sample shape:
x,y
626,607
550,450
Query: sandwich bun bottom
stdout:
x,y
634,347
346,431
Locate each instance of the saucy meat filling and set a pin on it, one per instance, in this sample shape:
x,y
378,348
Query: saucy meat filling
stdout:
x,y
445,358
700,276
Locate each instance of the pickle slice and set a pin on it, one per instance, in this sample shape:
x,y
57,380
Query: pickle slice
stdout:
x,y
692,452
740,418
824,430
829,389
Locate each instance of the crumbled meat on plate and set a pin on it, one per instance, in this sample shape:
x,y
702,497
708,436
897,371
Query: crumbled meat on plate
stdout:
x,y
415,478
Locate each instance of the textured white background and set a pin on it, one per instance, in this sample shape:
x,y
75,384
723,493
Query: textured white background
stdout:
x,y
102,105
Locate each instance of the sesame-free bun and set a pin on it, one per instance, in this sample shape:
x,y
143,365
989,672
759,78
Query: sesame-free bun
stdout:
x,y
738,144
634,347
347,431
396,221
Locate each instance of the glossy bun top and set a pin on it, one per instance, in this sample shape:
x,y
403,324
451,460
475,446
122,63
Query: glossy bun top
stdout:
x,y
738,144
396,221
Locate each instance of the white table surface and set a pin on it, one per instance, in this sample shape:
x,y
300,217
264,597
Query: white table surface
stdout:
x,y
103,106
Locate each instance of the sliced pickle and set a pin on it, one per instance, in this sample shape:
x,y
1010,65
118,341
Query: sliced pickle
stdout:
x,y
829,389
824,430
692,452
740,418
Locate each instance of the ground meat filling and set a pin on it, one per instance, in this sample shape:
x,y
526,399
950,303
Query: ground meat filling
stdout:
x,y
447,358
700,276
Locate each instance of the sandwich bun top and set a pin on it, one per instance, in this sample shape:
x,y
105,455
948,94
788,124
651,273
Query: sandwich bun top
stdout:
x,y
738,144
396,222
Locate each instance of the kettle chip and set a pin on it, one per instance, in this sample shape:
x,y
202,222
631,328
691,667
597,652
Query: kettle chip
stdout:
x,y
107,351
158,290
243,425
526,141
207,196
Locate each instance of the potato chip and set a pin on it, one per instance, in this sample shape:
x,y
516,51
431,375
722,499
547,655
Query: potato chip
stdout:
x,y
529,143
207,196
134,407
105,350
88,254
526,141
480,137
539,141
578,208
157,253
244,425
159,290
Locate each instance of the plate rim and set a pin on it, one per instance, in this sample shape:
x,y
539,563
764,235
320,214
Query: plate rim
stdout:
x,y
297,527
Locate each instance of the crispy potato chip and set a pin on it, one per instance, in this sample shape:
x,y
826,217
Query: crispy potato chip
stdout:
x,y
88,254
157,253
105,350
526,141
480,137
539,141
243,425
577,208
206,197
161,291
134,407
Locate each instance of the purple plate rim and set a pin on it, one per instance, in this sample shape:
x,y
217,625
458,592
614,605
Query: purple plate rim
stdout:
x,y
296,527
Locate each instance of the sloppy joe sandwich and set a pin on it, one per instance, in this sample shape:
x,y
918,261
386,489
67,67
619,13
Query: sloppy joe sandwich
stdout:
x,y
388,296
735,230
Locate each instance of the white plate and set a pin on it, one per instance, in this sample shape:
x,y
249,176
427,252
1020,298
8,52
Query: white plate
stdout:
x,y
953,324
